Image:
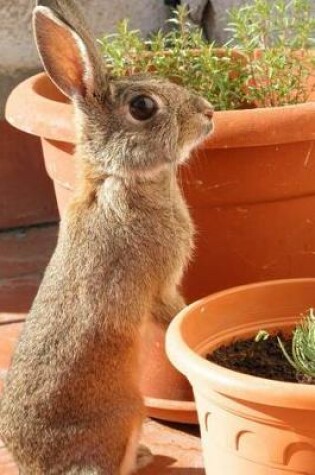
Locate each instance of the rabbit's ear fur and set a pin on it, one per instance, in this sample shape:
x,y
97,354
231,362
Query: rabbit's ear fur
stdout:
x,y
67,49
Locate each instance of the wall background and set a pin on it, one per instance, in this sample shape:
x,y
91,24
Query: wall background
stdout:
x,y
18,56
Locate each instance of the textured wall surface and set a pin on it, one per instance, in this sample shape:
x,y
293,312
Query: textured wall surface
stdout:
x,y
16,44
18,56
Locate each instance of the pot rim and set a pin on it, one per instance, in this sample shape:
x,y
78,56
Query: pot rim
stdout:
x,y
229,382
54,119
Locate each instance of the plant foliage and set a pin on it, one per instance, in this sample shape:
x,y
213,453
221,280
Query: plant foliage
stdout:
x,y
303,346
267,61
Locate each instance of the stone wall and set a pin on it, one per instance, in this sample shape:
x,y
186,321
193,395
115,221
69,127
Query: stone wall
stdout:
x,y
18,56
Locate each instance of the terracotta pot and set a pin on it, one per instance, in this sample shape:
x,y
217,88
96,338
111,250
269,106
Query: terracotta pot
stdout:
x,y
168,395
249,425
26,193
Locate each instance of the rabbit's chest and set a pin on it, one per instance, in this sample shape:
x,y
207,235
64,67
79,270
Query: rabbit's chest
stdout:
x,y
171,240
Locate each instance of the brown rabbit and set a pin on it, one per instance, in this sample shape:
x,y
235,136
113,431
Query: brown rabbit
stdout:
x,y
71,403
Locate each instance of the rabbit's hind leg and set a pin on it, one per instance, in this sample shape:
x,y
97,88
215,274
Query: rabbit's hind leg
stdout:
x,y
144,456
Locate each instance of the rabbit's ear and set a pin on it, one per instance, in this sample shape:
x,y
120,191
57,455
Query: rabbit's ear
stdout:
x,y
70,57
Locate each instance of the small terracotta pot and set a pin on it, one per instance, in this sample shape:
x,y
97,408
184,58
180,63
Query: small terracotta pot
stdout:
x,y
249,425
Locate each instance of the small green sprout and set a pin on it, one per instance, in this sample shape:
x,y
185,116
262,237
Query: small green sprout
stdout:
x,y
262,335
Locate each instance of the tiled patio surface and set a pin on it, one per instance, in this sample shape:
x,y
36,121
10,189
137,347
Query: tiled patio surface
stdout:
x,y
23,256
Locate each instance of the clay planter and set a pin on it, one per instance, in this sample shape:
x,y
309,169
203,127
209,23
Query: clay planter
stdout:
x,y
249,425
168,395
26,193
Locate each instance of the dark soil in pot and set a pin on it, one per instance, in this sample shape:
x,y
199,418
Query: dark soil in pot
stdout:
x,y
263,358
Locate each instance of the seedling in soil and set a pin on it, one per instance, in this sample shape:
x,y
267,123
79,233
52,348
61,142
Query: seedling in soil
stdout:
x,y
303,346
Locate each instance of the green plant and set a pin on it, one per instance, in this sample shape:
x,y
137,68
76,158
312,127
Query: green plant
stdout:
x,y
267,61
303,346
262,335
181,55
277,37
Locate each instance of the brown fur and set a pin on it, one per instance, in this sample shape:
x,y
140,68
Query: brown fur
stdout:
x,y
71,403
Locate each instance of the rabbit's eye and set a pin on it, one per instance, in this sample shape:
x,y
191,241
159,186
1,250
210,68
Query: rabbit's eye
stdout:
x,y
142,107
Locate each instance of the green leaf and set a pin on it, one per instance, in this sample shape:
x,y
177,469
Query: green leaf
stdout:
x,y
262,335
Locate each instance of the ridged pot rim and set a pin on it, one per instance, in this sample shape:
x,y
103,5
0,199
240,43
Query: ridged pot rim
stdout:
x,y
33,108
202,373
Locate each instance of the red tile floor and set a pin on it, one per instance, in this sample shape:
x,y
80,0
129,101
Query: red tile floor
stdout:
x,y
23,256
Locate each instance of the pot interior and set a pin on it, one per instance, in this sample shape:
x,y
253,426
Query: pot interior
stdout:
x,y
209,345
243,311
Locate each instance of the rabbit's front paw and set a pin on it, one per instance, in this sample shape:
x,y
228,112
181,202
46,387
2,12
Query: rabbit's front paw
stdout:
x,y
144,456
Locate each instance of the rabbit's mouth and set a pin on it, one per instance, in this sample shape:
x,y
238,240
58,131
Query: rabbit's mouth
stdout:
x,y
209,128
185,152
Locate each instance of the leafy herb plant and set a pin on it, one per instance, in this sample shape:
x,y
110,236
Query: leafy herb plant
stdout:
x,y
267,61
302,356
277,38
303,346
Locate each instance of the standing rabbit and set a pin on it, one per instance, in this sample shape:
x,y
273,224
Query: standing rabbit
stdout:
x,y
71,403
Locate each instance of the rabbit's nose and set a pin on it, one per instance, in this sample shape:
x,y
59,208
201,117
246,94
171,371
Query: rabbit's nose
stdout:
x,y
208,113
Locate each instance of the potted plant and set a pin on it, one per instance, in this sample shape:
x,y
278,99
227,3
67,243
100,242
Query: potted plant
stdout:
x,y
250,424
250,187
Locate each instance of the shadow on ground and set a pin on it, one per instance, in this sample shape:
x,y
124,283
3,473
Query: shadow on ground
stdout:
x,y
163,466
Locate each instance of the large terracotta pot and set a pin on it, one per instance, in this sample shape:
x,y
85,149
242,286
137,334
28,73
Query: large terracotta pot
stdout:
x,y
26,193
168,394
249,425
